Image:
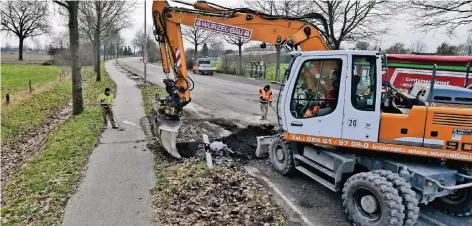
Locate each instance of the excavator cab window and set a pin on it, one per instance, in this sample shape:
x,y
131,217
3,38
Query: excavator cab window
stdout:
x,y
363,83
317,88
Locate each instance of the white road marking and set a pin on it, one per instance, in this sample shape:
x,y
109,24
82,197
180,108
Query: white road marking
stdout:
x,y
129,123
253,172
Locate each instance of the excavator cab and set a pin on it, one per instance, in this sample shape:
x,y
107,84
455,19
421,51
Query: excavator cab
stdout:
x,y
342,95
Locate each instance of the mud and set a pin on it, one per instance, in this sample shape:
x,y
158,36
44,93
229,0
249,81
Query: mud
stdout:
x,y
244,141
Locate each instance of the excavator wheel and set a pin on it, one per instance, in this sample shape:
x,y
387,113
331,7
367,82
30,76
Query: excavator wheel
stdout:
x,y
371,200
281,156
408,196
457,204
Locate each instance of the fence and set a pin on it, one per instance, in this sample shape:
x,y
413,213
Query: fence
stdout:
x,y
29,86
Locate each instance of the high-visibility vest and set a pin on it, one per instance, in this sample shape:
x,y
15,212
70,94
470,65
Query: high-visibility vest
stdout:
x,y
267,96
105,100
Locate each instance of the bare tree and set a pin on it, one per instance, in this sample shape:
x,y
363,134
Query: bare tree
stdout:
x,y
418,46
101,19
280,7
397,48
217,47
196,37
238,41
353,20
446,49
362,45
430,15
465,49
72,8
25,19
139,39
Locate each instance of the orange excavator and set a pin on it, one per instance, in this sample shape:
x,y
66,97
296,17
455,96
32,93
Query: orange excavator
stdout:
x,y
386,150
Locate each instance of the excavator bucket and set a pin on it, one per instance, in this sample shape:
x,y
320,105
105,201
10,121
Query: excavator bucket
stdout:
x,y
167,130
263,143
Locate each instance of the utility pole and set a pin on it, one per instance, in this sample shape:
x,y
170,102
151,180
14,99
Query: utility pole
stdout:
x,y
145,43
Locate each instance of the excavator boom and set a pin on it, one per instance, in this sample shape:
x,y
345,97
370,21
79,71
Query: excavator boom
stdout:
x,y
292,32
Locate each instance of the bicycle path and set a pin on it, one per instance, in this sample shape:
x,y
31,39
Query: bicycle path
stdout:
x,y
119,175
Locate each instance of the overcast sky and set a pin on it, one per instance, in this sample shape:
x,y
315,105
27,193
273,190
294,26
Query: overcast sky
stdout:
x,y
400,30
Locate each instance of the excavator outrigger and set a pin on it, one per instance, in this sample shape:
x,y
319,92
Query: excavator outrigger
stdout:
x,y
342,126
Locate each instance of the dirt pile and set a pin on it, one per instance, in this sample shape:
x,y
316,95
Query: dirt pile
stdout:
x,y
190,194
244,141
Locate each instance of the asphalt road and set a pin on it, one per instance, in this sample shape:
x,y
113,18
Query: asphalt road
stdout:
x,y
235,98
227,96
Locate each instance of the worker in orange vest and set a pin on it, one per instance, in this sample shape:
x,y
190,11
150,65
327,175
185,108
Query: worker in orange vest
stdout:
x,y
265,99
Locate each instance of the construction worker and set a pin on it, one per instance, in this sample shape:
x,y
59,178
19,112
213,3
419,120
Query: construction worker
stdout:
x,y
265,99
106,101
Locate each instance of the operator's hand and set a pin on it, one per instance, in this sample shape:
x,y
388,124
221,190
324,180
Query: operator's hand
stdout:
x,y
109,106
261,98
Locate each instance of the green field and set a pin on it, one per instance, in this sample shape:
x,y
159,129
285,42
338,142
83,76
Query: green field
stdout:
x,y
29,110
38,194
15,77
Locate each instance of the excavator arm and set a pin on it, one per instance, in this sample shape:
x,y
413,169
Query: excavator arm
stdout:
x,y
291,32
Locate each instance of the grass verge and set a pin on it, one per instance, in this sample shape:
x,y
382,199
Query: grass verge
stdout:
x,y
188,193
32,112
38,194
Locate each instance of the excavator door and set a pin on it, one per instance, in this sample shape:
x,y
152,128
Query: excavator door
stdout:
x,y
313,95
363,92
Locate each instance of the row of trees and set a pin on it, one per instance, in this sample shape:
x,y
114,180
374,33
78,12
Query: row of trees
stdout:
x,y
354,20
419,46
99,22
90,23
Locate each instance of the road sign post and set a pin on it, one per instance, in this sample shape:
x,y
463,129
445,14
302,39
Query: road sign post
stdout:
x,y
145,40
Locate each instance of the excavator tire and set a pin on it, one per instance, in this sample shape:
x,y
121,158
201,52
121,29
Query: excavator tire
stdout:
x,y
281,156
457,204
408,196
370,200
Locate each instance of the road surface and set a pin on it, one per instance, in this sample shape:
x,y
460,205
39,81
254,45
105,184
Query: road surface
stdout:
x,y
235,98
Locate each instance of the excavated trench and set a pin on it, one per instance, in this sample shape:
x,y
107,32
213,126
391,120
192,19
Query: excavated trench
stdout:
x,y
241,140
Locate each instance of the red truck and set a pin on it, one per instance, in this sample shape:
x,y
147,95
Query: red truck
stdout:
x,y
406,69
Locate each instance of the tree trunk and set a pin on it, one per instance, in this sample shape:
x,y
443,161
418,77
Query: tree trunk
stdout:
x,y
277,66
337,44
104,51
240,60
20,57
97,50
77,98
195,55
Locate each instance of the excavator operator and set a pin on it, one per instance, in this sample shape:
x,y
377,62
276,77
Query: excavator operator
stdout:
x,y
328,106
